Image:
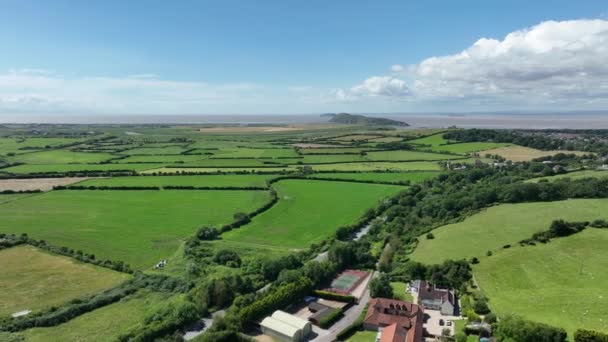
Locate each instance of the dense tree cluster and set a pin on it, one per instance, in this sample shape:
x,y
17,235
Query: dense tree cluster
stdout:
x,y
516,329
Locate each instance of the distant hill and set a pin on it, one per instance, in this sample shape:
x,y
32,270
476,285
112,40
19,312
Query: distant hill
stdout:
x,y
352,119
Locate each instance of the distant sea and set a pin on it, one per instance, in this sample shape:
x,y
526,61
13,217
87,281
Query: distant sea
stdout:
x,y
572,120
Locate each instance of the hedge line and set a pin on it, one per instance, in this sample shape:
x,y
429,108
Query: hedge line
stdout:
x,y
247,218
335,296
8,192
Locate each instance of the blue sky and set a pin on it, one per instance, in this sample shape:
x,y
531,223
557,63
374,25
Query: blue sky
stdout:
x,y
284,56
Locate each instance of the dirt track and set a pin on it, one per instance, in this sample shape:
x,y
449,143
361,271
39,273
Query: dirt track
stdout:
x,y
43,184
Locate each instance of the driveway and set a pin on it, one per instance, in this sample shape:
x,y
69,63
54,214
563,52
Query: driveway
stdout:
x,y
432,324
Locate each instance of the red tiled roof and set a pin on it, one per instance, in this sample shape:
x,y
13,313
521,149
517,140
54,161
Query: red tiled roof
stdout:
x,y
407,317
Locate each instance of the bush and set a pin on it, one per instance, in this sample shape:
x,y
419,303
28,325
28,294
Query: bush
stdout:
x,y
430,236
381,287
331,318
582,335
490,318
481,306
517,329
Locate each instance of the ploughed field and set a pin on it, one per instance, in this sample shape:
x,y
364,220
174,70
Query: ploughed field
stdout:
x,y
138,227
309,211
33,279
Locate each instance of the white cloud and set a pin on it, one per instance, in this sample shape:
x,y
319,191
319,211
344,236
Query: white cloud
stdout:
x,y
38,90
550,63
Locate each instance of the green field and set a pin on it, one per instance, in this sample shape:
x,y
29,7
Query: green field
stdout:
x,y
24,169
400,292
573,175
24,145
177,158
33,279
432,140
414,177
462,148
104,324
500,225
61,157
216,169
237,162
11,197
155,150
201,181
562,283
309,211
372,166
138,227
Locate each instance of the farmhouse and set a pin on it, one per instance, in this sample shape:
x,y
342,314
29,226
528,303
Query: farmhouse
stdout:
x,y
397,320
285,327
434,298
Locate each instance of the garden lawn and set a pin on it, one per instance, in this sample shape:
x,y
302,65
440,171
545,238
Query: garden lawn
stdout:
x,y
61,157
25,169
400,292
500,225
363,336
138,227
199,181
309,211
562,283
34,279
104,324
391,177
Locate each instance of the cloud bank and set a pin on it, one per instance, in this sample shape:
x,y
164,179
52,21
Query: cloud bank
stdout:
x,y
548,64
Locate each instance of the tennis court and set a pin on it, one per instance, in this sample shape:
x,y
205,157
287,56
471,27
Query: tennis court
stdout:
x,y
347,281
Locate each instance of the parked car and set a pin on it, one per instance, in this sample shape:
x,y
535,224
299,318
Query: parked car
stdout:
x,y
448,323
441,322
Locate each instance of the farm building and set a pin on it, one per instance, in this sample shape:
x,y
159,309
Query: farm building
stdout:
x,y
434,298
285,327
399,321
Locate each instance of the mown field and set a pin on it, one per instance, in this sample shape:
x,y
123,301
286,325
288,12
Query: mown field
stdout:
x,y
137,227
309,211
200,181
500,225
520,153
562,283
104,324
33,279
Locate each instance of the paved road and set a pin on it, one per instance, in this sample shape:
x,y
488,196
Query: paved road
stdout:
x,y
350,316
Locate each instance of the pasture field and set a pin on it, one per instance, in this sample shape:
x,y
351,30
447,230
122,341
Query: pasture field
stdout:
x,y
177,158
33,279
155,150
395,177
408,155
386,139
432,140
462,148
500,225
12,197
106,323
309,211
61,157
333,158
13,145
339,150
138,227
374,166
562,283
26,169
572,175
201,181
219,163
357,137
520,153
166,170
257,153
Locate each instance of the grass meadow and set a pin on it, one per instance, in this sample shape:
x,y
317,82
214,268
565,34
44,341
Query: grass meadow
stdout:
x,y
573,175
520,153
562,283
379,166
26,169
309,212
500,225
394,177
138,227
61,157
201,181
33,279
106,323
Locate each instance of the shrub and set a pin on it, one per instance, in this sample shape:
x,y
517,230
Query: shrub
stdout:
x,y
582,335
330,319
335,296
430,236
